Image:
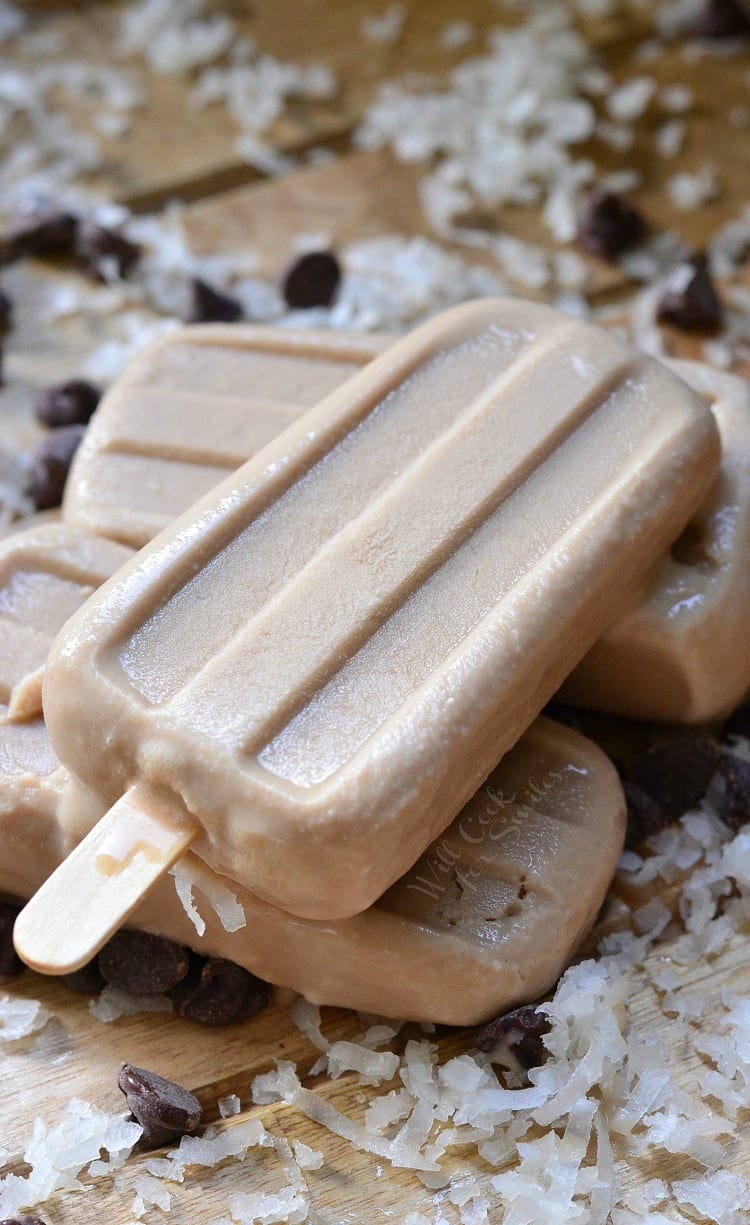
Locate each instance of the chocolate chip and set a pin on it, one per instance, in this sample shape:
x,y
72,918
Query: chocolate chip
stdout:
x,y
735,808
522,1030
164,1110
6,313
689,300
224,993
207,305
645,817
43,234
108,254
143,964
608,225
676,771
50,464
89,980
10,962
69,403
312,280
722,19
738,723
22,1220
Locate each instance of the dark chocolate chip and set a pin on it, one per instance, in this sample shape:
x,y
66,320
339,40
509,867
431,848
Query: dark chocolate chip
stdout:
x,y
645,817
207,305
522,1030
50,464
69,403
6,313
22,1220
43,234
676,771
224,993
164,1110
10,962
143,964
689,300
312,280
608,226
738,723
735,808
89,980
108,254
722,19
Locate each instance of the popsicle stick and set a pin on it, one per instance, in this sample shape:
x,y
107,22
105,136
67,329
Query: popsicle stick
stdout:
x,y
98,886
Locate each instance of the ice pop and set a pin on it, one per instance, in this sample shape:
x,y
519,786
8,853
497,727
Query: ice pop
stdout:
x,y
315,669
487,918
46,573
678,657
191,408
681,653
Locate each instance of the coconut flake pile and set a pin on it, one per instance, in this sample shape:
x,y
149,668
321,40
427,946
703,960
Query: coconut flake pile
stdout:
x,y
59,1155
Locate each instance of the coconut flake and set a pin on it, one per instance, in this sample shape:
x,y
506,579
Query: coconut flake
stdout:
x,y
57,1155
190,873
229,1106
114,1003
386,27
19,1018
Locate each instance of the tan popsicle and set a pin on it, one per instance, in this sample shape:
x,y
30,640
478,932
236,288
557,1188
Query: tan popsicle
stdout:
x,y
46,573
204,399
192,407
487,919
322,661
681,653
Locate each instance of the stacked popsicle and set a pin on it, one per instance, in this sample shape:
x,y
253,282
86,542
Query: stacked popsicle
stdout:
x,y
309,675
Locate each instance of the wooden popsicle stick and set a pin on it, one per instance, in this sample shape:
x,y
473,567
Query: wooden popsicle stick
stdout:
x,y
94,890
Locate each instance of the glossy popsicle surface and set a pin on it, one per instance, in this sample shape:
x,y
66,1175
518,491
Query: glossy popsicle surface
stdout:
x,y
326,657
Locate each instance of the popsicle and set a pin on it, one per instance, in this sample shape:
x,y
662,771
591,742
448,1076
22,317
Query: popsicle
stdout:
x,y
313,670
229,390
191,408
46,573
681,653
487,919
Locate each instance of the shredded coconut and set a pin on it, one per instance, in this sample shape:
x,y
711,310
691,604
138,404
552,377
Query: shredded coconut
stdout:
x,y
190,873
19,1018
114,1003
58,1155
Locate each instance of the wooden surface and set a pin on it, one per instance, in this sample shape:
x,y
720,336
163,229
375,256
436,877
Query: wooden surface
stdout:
x,y
360,195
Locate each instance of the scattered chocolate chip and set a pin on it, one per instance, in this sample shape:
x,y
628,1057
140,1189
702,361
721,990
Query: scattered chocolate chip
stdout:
x,y
89,980
689,300
722,19
10,962
43,234
22,1220
738,723
69,403
645,817
608,225
143,964
207,305
676,771
108,254
50,464
224,993
522,1030
735,808
312,280
6,313
164,1110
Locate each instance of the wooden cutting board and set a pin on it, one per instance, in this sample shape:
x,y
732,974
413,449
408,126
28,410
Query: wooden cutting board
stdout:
x,y
361,195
